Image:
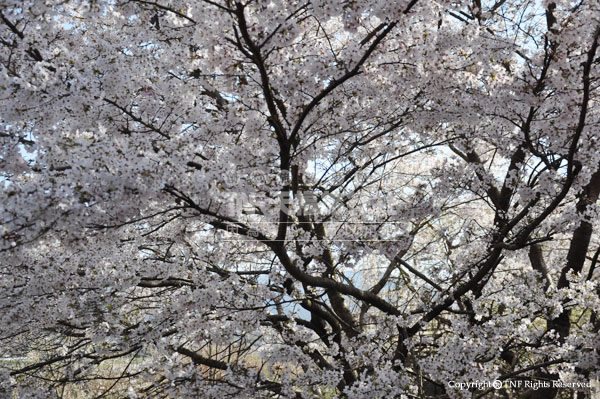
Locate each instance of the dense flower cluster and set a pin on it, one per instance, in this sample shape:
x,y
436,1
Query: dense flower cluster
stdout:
x,y
296,199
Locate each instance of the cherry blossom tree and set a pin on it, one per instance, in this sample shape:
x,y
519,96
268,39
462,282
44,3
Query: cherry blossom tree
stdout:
x,y
299,199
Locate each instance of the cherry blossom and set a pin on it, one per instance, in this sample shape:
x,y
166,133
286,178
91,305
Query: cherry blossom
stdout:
x,y
289,199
